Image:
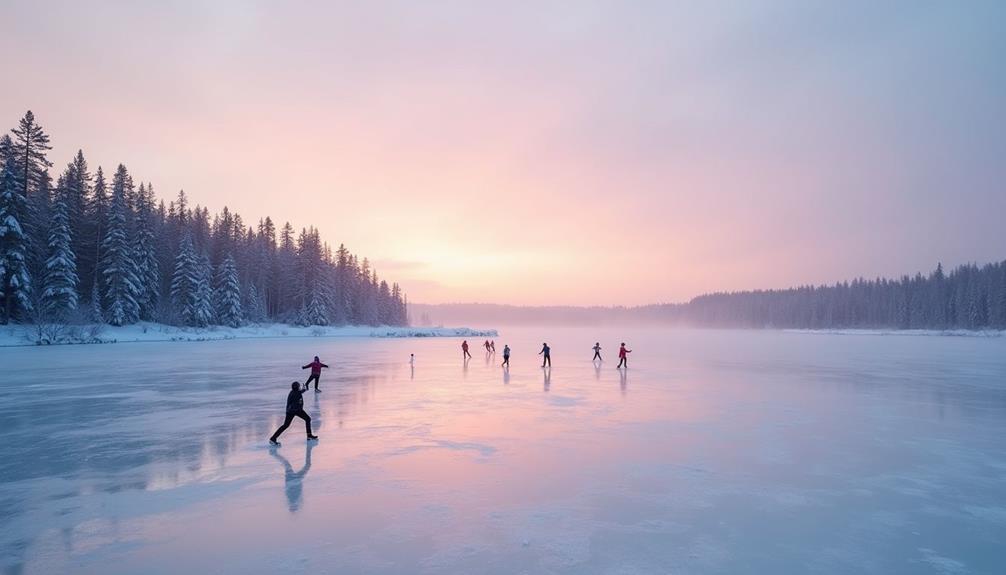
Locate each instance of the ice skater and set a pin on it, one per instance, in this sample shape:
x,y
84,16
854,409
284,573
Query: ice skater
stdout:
x,y
492,346
623,358
464,350
412,359
546,355
487,346
315,366
597,352
506,356
294,408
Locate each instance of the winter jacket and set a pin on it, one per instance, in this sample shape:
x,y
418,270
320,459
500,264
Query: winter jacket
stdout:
x,y
294,401
315,367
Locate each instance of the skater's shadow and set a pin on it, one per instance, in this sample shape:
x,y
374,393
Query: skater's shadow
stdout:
x,y
623,374
597,371
294,480
547,371
506,375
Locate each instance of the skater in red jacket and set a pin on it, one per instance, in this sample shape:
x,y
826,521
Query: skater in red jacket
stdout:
x,y
464,350
622,358
315,366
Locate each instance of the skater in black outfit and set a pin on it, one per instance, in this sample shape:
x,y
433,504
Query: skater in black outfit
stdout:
x,y
294,408
597,351
545,351
506,355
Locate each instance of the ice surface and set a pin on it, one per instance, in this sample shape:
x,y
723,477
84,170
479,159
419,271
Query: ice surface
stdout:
x,y
716,452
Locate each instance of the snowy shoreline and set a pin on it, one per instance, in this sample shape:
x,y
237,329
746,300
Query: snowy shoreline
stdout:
x,y
23,335
905,332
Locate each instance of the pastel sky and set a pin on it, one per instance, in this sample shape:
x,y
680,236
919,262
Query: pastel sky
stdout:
x,y
545,153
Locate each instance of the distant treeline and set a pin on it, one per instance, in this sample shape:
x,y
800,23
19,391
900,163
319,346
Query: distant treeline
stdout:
x,y
969,297
85,249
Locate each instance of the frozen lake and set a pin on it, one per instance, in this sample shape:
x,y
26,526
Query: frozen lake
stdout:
x,y
716,452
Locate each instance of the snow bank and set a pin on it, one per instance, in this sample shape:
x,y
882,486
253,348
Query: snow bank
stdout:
x,y
20,335
912,332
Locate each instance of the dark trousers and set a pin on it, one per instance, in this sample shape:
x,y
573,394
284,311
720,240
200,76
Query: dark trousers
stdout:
x,y
623,361
466,354
289,417
506,360
597,355
547,360
314,377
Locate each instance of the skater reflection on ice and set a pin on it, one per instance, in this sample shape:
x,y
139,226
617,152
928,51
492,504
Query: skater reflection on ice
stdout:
x,y
547,371
622,375
294,480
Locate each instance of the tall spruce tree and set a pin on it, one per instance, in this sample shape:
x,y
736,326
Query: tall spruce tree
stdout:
x,y
147,267
30,146
183,282
203,295
60,293
227,293
118,263
15,279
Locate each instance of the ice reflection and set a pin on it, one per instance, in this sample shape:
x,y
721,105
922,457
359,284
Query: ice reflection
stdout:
x,y
294,480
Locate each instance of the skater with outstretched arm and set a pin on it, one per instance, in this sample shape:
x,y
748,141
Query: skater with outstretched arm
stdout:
x,y
597,351
464,350
623,358
506,356
315,366
294,408
546,355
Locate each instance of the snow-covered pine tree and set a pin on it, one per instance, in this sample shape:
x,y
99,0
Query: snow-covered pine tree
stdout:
x,y
202,302
36,228
254,306
15,280
97,216
183,282
148,270
76,191
59,295
315,312
118,264
227,293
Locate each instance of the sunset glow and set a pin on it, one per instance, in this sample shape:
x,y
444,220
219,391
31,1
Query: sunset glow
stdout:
x,y
533,155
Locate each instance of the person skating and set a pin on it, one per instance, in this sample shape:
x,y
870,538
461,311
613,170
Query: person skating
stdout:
x,y
487,346
622,356
315,366
506,355
294,408
545,353
464,350
597,351
492,346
